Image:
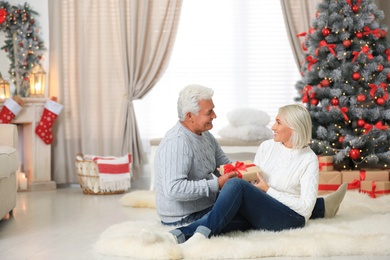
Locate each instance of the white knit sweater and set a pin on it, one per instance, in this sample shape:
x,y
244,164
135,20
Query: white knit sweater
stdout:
x,y
291,174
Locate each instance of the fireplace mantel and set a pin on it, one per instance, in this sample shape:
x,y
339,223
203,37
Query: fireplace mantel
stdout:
x,y
36,155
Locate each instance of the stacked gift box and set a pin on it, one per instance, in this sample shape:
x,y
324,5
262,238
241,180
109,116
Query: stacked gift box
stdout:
x,y
329,179
374,182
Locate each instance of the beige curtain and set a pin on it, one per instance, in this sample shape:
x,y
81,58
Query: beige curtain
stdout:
x,y
298,14
149,29
91,45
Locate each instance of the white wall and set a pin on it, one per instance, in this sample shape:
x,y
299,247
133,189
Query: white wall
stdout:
x,y
42,20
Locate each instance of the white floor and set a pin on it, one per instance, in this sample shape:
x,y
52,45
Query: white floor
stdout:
x,y
65,223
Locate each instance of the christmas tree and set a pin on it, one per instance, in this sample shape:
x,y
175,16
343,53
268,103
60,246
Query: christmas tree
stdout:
x,y
345,83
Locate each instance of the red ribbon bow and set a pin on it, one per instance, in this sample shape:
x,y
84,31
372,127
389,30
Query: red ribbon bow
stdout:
x,y
323,43
350,3
344,111
376,32
387,52
239,166
306,94
311,61
378,125
355,184
365,50
374,89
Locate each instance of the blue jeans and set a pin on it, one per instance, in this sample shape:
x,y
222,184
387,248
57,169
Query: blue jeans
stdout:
x,y
242,206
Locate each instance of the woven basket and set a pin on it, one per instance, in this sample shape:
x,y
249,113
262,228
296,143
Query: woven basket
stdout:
x,y
88,175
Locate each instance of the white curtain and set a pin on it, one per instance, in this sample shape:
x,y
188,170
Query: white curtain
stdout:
x,y
92,62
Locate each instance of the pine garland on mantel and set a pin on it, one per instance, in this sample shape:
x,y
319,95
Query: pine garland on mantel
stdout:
x,y
23,44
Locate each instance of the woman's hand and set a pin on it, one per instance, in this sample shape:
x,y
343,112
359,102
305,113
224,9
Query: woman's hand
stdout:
x,y
261,184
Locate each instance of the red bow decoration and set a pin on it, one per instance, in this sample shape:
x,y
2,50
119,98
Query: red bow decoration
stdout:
x,y
323,43
239,166
311,61
301,34
378,125
365,50
376,32
344,111
3,15
387,52
350,3
375,87
355,184
306,94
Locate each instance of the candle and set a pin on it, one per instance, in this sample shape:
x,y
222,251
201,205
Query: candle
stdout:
x,y
22,181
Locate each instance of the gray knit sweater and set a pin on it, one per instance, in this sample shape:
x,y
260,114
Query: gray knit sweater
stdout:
x,y
185,165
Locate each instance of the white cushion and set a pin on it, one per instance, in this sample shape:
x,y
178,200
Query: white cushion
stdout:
x,y
9,161
248,116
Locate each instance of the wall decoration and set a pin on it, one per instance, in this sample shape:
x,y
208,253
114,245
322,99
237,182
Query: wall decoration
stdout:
x,y
23,45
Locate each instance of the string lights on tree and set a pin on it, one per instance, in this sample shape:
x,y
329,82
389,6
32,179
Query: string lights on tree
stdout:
x,y
345,83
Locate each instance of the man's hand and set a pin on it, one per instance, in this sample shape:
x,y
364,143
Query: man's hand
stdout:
x,y
261,184
225,177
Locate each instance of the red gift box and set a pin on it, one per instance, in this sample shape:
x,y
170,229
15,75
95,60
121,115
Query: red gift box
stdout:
x,y
245,170
354,178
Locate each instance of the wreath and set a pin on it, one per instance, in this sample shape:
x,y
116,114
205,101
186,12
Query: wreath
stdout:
x,y
23,45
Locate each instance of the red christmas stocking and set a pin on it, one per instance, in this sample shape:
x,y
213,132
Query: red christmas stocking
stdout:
x,y
50,113
10,109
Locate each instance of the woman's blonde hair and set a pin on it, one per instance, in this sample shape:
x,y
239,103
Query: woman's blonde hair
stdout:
x,y
298,119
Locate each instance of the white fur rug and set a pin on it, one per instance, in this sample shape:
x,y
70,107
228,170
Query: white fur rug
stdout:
x,y
362,227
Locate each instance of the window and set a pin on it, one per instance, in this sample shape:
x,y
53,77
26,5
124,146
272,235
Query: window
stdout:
x,y
238,48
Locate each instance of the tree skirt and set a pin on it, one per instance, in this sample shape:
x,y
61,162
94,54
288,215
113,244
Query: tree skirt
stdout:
x,y
362,227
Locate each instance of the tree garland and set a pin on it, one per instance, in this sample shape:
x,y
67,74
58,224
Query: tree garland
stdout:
x,y
23,45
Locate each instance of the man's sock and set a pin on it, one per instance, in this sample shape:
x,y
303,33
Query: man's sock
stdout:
x,y
332,201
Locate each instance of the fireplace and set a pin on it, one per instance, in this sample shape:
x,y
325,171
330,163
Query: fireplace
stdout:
x,y
35,155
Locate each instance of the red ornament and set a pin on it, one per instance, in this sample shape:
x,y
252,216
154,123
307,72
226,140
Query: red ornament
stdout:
x,y
361,98
354,153
314,101
383,33
325,83
18,11
359,35
380,101
356,76
335,101
347,43
355,9
379,67
311,30
325,31
341,139
388,76
26,78
360,123
32,21
3,14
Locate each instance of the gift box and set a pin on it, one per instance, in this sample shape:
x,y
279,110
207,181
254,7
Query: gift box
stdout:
x,y
353,178
375,188
329,180
245,170
325,163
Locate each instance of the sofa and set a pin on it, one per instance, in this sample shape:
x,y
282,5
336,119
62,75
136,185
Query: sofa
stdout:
x,y
9,164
